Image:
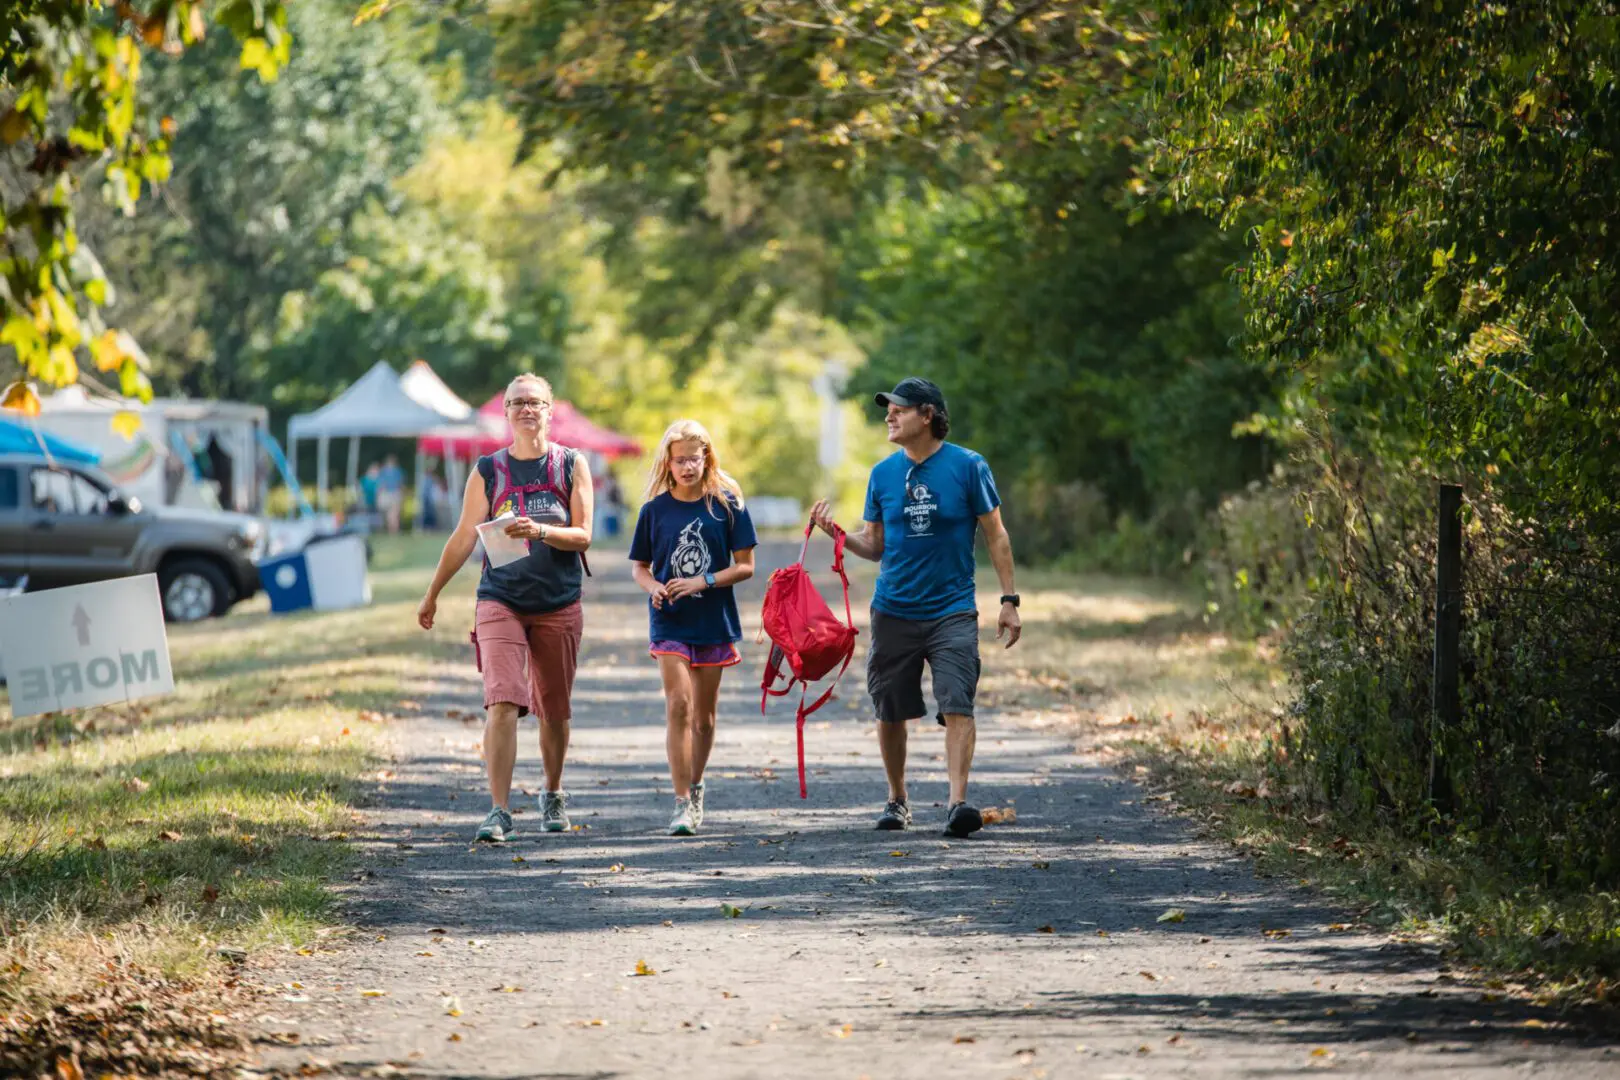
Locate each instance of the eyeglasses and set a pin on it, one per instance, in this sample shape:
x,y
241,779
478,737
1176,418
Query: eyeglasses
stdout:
x,y
693,462
528,403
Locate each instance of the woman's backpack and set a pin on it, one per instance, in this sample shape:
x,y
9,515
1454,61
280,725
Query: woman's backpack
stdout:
x,y
805,635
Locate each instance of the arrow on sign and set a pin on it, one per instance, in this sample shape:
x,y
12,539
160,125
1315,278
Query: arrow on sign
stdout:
x,y
81,623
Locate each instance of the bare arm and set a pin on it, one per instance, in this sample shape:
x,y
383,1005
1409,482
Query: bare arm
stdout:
x,y
1001,557
641,573
463,538
868,543
741,569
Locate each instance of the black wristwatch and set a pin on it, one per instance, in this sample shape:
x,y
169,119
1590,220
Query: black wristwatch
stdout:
x,y
1010,598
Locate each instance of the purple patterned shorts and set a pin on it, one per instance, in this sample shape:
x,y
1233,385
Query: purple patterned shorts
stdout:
x,y
698,655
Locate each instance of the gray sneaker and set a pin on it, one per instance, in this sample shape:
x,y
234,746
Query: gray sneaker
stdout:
x,y
697,805
682,824
497,827
554,811
896,816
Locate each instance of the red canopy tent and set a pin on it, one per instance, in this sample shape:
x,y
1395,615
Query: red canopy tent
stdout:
x,y
489,432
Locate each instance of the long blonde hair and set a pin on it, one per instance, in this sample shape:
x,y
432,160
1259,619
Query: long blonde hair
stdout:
x,y
716,482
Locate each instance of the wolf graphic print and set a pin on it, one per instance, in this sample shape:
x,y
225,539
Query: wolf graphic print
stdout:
x,y
691,557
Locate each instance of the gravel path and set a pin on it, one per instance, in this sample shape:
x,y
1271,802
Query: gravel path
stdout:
x,y
1031,950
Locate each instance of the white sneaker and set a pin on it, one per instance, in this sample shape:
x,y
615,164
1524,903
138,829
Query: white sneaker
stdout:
x,y
697,805
682,824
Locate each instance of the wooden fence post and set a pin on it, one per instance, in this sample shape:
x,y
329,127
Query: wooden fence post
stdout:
x,y
1447,621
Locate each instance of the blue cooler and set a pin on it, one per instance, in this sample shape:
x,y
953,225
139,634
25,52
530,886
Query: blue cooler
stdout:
x,y
286,582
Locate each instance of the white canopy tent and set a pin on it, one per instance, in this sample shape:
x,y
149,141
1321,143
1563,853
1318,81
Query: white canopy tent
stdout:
x,y
380,404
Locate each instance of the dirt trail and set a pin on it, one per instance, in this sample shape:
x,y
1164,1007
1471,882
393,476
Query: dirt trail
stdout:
x,y
1032,950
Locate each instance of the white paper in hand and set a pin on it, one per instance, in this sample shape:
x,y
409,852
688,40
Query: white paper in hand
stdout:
x,y
500,548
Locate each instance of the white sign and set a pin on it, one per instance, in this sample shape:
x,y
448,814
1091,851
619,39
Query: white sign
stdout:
x,y
85,645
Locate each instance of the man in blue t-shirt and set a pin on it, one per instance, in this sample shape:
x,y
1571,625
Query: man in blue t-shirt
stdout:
x,y
923,505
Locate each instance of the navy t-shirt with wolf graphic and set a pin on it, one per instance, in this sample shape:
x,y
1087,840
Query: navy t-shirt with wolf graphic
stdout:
x,y
689,539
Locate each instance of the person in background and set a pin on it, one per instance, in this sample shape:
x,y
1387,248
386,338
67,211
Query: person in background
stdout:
x,y
434,497
391,491
368,489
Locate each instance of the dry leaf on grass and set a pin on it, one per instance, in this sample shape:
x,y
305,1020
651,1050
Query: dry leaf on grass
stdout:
x,y
171,836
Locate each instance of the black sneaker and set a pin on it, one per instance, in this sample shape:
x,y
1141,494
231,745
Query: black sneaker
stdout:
x,y
896,816
962,820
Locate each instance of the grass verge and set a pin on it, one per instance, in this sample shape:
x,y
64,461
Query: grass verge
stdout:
x,y
1199,715
146,852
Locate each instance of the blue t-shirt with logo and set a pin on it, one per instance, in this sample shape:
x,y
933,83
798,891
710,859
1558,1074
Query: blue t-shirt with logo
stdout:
x,y
689,539
929,510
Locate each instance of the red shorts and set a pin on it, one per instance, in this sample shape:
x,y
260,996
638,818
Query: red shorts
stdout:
x,y
529,660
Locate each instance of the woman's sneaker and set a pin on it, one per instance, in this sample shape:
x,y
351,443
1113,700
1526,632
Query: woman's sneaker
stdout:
x,y
962,820
554,811
697,805
497,827
682,824
896,816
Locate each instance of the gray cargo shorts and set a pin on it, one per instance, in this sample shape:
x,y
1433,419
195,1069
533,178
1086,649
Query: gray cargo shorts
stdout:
x,y
894,665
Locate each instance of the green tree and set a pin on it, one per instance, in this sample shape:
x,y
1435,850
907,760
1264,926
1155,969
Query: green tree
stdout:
x,y
69,80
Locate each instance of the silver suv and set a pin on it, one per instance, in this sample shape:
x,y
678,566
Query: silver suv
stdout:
x,y
66,525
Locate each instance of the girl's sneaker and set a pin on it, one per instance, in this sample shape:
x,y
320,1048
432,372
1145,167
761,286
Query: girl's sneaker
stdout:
x,y
697,805
682,824
554,811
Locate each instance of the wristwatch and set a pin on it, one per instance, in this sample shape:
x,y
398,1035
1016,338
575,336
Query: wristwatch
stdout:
x,y
708,579
542,533
1010,598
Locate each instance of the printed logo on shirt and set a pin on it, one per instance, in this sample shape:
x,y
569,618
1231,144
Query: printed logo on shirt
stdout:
x,y
691,558
921,506
544,504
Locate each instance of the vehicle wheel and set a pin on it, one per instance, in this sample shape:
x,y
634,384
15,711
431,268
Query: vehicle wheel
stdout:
x,y
192,590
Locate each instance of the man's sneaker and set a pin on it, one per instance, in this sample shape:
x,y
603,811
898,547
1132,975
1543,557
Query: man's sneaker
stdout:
x,y
962,820
682,824
496,827
554,811
697,805
896,816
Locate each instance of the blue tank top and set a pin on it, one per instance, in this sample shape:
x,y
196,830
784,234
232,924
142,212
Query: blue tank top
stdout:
x,y
546,579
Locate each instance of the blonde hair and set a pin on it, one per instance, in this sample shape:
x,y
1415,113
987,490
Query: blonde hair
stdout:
x,y
529,376
716,482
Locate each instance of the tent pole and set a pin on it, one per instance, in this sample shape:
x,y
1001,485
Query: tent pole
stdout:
x,y
322,452
354,464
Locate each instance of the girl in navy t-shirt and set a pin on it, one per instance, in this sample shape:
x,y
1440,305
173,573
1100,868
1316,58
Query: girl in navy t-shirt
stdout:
x,y
694,540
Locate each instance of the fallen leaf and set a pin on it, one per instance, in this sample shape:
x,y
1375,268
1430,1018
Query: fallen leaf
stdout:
x,y
373,993
1149,976
643,969
68,1069
452,1005
1042,865
424,952
1047,929
845,1032
519,859
1276,934
507,989
1534,1022
455,1036
898,854
1321,1052
210,893
964,1039
616,868
1102,933
170,836
1175,914
1025,1056
730,911
1242,789
136,785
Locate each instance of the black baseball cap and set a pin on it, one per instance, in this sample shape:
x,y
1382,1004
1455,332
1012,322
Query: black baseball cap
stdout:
x,y
912,392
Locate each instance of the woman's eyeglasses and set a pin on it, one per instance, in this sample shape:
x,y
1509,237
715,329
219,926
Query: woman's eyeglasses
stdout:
x,y
528,403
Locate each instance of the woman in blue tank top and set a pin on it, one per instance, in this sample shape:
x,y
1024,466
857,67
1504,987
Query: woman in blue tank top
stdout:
x,y
529,620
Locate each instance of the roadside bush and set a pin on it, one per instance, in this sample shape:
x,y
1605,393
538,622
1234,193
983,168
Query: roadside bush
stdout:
x,y
1259,557
1530,779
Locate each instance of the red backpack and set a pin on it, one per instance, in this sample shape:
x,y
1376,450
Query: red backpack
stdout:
x,y
805,635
